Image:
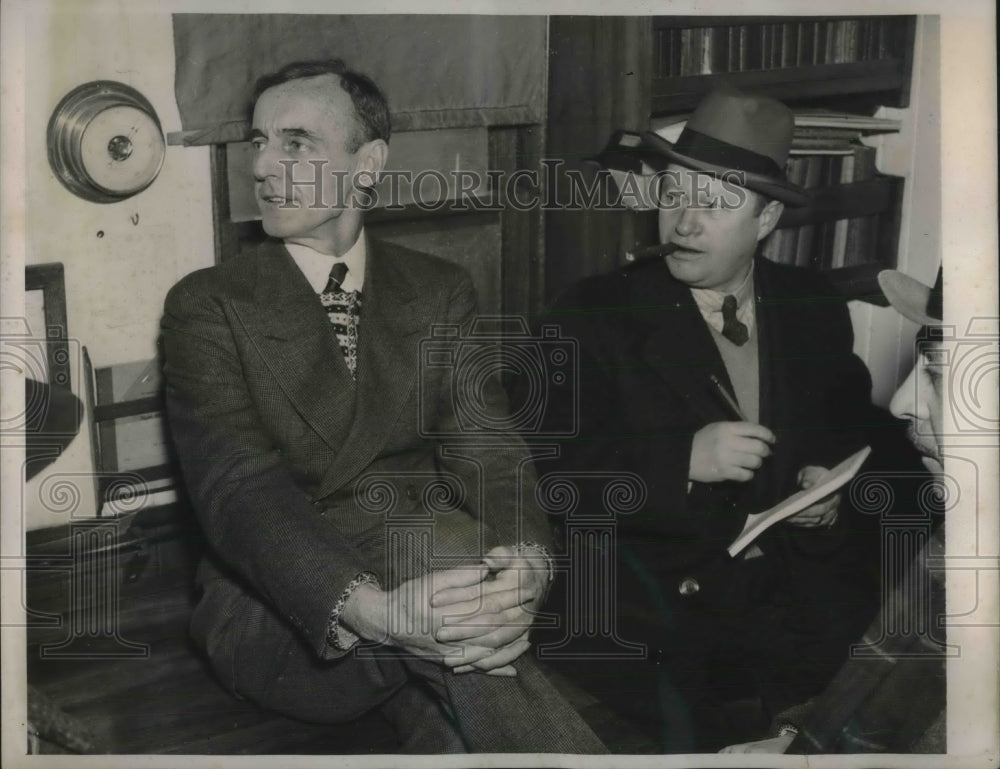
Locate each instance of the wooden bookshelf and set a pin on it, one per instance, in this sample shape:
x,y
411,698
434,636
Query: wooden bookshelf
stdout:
x,y
788,58
682,94
881,195
852,64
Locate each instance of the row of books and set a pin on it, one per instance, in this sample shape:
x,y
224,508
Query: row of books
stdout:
x,y
680,52
828,245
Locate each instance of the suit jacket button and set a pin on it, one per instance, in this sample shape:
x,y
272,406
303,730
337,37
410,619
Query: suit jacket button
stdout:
x,y
688,586
411,493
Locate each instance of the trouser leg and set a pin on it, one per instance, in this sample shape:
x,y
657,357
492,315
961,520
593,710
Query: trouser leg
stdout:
x,y
431,709
421,721
339,691
522,714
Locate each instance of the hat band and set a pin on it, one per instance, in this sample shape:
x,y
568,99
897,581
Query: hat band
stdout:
x,y
717,152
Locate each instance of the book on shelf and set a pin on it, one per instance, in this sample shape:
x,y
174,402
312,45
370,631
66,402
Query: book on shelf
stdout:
x,y
839,245
810,145
805,240
755,46
789,44
804,49
862,231
822,119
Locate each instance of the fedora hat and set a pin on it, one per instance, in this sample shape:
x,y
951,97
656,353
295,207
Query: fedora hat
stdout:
x,y
917,301
735,132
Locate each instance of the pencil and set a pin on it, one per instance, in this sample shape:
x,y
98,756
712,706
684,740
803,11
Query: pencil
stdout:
x,y
728,399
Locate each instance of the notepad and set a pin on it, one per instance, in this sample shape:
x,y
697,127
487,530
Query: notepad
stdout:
x,y
833,479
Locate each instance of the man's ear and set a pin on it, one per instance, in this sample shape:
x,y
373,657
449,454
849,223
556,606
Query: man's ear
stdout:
x,y
372,157
768,218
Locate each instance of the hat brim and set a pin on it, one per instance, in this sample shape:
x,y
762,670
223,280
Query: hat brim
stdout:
x,y
908,296
790,194
616,157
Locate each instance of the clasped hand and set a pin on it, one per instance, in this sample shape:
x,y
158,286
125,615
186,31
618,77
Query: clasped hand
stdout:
x,y
478,617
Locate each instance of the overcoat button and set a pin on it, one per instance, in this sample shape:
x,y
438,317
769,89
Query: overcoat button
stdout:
x,y
688,586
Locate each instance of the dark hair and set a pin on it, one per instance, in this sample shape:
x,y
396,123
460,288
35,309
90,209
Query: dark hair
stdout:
x,y
371,110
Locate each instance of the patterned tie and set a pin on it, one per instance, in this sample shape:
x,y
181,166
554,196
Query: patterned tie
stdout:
x,y
732,329
344,310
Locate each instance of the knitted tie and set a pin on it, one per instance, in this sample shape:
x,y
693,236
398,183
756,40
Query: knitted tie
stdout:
x,y
343,308
732,329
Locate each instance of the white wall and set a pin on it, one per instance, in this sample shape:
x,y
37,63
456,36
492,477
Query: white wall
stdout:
x,y
115,284
883,338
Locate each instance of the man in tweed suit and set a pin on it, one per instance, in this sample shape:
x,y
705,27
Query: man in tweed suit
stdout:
x,y
339,579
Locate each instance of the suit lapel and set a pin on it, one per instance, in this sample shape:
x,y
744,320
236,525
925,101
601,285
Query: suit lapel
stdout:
x,y
778,343
393,321
679,346
287,324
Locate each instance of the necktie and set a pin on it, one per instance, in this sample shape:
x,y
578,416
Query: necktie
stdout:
x,y
732,329
343,309
337,275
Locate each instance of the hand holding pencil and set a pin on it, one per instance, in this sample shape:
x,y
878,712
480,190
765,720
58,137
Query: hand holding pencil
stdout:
x,y
729,451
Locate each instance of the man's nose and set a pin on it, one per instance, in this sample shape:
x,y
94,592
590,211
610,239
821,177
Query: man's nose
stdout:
x,y
904,403
265,164
687,220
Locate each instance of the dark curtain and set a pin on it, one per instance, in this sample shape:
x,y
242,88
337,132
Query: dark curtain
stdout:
x,y
600,73
437,71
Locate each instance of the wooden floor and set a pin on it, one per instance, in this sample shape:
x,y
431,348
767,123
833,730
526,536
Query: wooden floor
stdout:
x,y
148,690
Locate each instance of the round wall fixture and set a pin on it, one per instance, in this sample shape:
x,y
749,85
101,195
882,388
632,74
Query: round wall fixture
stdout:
x,y
105,141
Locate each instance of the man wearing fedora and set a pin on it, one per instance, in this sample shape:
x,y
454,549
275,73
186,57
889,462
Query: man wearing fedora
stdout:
x,y
726,383
893,701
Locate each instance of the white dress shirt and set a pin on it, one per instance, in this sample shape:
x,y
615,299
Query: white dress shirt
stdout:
x,y
316,266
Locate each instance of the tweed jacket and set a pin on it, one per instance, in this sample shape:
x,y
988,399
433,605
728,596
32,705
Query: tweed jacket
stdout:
x,y
301,476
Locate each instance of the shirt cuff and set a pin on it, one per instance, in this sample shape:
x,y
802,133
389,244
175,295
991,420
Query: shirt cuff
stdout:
x,y
338,636
523,547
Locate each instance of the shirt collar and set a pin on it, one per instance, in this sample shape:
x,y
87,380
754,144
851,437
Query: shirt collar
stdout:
x,y
316,266
709,303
